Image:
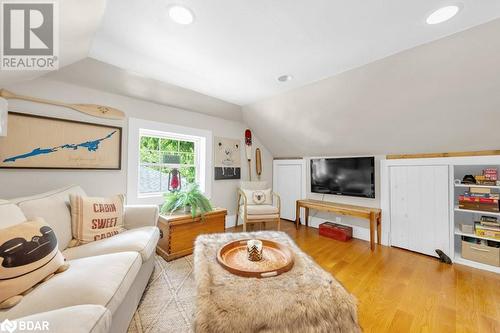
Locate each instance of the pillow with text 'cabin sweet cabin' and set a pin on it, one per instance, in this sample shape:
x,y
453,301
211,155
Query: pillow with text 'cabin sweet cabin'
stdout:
x,y
94,218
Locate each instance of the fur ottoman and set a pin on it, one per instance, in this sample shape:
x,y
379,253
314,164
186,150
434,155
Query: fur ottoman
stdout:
x,y
305,299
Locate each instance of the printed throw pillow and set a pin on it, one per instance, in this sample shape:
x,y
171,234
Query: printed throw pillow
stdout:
x,y
94,218
28,256
259,197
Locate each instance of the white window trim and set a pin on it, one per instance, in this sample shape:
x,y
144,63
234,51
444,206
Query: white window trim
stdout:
x,y
136,127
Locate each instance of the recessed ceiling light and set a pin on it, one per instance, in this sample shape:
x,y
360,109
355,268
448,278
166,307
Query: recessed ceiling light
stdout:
x,y
180,14
443,14
285,78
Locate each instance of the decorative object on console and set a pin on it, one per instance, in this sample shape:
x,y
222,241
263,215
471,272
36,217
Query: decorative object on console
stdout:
x,y
190,199
95,110
257,258
4,113
36,142
258,163
30,255
94,219
248,151
227,158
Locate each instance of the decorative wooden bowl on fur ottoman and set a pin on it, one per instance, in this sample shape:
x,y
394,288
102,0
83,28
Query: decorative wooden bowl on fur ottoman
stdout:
x,y
304,299
276,259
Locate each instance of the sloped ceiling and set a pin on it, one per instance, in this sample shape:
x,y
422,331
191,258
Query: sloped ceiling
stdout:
x,y
438,97
95,74
78,22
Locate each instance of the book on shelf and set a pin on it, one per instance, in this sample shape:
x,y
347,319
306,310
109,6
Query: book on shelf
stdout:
x,y
484,231
482,195
480,190
476,199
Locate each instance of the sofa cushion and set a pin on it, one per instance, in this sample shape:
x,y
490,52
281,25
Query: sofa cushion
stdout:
x,y
53,207
95,218
28,253
101,280
86,318
10,214
142,240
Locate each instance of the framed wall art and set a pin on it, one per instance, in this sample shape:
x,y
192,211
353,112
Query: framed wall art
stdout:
x,y
227,158
36,142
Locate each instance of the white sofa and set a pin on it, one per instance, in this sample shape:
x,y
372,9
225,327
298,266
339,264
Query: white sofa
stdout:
x,y
106,279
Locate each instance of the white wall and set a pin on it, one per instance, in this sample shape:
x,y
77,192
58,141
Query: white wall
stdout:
x,y
438,97
15,183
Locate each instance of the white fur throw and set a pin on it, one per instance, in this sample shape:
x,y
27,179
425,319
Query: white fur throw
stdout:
x,y
305,299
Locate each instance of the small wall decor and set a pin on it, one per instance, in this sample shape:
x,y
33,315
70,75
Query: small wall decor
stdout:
x,y
36,142
248,151
227,158
258,163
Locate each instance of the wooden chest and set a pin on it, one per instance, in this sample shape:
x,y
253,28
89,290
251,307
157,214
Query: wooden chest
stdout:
x,y
178,232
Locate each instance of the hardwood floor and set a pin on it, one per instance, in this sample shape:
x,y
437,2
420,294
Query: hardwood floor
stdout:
x,y
402,291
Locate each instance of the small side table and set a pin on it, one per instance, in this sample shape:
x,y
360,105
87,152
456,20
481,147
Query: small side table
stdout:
x,y
179,230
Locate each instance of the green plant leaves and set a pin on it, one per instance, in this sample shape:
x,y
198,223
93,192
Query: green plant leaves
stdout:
x,y
189,196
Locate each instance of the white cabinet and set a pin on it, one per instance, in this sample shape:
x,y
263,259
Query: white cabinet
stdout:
x,y
289,182
419,208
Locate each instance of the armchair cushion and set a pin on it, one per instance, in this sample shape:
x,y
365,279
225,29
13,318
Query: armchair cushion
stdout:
x,y
261,210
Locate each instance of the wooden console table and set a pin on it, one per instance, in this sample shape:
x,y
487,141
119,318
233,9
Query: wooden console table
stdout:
x,y
179,231
374,215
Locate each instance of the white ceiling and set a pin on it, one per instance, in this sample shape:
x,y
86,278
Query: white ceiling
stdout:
x,y
236,49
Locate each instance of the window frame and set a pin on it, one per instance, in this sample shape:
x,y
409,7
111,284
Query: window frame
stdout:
x,y
136,127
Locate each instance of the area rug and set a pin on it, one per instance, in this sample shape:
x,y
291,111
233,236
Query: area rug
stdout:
x,y
168,302
306,299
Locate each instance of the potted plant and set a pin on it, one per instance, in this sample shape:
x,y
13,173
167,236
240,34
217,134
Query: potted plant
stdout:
x,y
190,199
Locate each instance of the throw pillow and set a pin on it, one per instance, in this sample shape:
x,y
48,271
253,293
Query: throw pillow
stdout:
x,y
93,218
259,197
28,255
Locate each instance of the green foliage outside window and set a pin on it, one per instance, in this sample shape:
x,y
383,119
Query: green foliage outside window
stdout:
x,y
153,150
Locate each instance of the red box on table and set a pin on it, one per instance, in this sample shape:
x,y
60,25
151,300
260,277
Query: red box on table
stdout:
x,y
336,231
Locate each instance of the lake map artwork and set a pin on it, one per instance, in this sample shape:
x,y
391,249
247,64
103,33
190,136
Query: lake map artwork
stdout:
x,y
41,142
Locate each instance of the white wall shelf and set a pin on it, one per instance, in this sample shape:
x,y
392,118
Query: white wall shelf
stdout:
x,y
476,211
475,264
460,233
474,185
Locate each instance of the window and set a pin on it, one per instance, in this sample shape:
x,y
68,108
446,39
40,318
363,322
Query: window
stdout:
x,y
159,153
152,146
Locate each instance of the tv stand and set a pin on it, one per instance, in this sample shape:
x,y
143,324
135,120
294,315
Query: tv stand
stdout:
x,y
374,215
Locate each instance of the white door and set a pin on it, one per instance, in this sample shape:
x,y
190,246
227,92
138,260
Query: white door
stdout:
x,y
289,183
420,208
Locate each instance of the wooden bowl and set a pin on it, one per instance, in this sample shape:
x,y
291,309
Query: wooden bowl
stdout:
x,y
277,259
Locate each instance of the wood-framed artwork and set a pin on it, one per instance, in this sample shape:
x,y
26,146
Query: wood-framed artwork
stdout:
x,y
38,142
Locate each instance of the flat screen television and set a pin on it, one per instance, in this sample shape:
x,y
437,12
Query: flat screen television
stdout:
x,y
353,176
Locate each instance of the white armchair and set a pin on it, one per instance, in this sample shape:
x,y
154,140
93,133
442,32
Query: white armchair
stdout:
x,y
256,212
